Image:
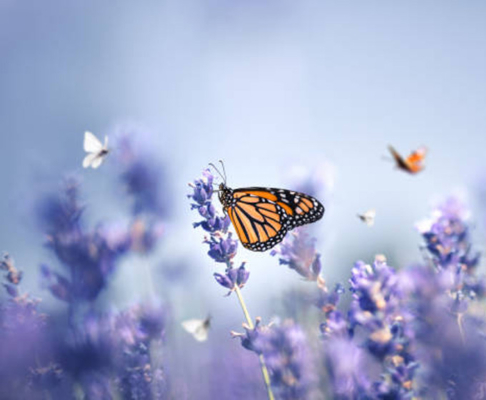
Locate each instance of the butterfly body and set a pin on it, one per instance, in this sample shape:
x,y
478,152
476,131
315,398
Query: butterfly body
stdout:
x,y
262,216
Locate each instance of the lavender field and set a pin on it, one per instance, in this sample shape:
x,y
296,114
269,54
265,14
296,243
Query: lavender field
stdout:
x,y
127,279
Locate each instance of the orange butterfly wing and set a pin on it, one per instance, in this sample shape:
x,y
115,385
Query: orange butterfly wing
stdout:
x,y
415,160
262,216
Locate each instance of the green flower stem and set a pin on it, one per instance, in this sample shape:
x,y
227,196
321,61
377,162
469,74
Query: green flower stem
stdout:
x,y
263,366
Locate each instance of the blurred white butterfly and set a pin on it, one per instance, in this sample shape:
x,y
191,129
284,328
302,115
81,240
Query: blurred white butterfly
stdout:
x,y
198,328
95,149
368,217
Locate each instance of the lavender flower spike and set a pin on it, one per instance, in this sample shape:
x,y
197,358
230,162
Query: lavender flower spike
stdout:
x,y
286,354
447,239
222,245
13,275
201,197
87,257
141,173
233,277
298,252
222,248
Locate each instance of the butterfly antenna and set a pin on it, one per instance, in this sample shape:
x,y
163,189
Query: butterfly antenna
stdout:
x,y
217,170
224,170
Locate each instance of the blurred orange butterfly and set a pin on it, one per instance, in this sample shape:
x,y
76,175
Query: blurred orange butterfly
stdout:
x,y
263,216
413,164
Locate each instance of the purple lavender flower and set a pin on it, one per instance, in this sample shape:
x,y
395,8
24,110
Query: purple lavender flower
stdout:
x,y
447,238
299,253
142,174
201,197
141,324
233,277
288,359
60,213
58,285
335,325
203,190
84,353
87,345
107,351
46,377
376,294
348,368
88,257
438,332
449,346
145,235
24,334
20,310
378,308
376,334
222,246
222,249
95,385
326,300
284,348
13,275
138,377
252,339
93,349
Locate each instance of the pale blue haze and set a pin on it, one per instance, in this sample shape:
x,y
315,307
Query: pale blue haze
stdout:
x,y
263,85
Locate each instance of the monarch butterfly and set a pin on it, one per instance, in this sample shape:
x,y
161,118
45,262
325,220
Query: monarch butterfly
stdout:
x,y
413,164
262,216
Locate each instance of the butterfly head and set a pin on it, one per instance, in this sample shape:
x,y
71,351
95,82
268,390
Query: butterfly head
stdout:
x,y
225,195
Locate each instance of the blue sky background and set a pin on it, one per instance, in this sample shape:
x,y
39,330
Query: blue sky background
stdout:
x,y
265,85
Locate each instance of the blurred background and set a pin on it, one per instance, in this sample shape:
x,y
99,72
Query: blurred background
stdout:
x,y
280,90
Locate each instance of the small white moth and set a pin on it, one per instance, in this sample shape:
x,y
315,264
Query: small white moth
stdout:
x,y
198,328
368,217
95,149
